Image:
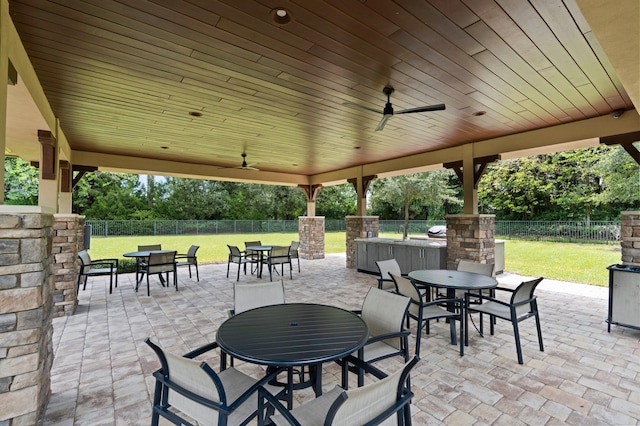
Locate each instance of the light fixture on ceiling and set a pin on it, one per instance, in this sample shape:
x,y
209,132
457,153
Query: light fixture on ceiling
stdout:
x,y
617,113
164,147
195,114
479,113
280,16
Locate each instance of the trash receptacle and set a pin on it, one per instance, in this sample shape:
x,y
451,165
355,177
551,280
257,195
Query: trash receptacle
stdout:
x,y
624,296
87,237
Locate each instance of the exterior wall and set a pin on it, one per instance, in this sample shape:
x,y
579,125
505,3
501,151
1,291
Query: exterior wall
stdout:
x,y
311,233
26,347
470,237
67,241
359,227
630,238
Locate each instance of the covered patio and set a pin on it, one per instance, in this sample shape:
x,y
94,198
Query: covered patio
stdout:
x,y
586,376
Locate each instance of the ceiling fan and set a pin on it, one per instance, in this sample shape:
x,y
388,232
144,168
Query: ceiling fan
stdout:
x,y
388,112
246,166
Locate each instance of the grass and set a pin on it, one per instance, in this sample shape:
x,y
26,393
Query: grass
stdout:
x,y
580,263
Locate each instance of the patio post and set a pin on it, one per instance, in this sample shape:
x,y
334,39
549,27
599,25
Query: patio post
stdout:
x,y
470,237
68,239
26,283
630,237
359,227
311,234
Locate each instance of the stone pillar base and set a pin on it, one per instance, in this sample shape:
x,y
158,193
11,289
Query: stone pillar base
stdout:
x,y
470,237
311,233
68,236
359,227
630,238
26,345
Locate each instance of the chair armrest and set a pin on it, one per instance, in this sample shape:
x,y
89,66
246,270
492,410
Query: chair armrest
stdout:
x,y
440,301
386,336
272,401
510,290
203,349
104,262
182,256
482,298
367,367
255,388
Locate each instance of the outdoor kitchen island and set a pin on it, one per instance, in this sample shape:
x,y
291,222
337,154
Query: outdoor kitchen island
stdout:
x,y
412,254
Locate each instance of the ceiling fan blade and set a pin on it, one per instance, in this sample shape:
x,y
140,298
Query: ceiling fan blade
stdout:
x,y
384,120
438,107
357,106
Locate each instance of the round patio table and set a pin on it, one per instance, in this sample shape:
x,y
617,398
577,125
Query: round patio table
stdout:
x,y
143,255
261,250
293,335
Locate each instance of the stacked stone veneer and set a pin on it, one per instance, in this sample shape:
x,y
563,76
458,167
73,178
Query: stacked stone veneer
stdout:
x,y
359,227
68,239
470,237
311,233
630,237
26,349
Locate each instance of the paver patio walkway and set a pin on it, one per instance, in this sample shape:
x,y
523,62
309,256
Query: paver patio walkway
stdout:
x,y
102,369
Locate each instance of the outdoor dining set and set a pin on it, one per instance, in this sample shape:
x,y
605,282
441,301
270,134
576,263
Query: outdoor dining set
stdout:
x,y
294,340
257,255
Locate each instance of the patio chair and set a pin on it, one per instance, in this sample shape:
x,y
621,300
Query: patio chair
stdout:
x,y
386,267
293,252
278,256
158,264
376,403
190,260
187,389
384,313
240,258
425,311
141,260
252,254
94,268
522,305
477,268
249,296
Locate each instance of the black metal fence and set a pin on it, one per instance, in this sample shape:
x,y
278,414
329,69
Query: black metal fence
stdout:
x,y
571,231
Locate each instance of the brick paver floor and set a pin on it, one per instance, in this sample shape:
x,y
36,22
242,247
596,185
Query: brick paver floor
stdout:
x,y
102,369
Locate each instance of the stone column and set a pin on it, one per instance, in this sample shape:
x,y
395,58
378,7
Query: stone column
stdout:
x,y
311,233
26,283
630,237
67,241
359,227
470,237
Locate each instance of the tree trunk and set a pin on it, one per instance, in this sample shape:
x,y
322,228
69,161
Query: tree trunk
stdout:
x,y
406,221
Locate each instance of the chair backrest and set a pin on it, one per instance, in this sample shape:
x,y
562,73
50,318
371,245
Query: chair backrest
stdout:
x,y
194,376
191,254
279,252
384,313
248,295
161,262
386,267
476,267
408,289
150,247
293,248
367,403
85,259
252,243
524,293
234,252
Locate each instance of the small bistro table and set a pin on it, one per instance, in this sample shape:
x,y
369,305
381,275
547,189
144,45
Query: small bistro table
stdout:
x,y
452,281
293,335
143,255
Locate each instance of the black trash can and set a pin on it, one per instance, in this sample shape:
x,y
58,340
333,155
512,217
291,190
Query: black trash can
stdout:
x,y
87,237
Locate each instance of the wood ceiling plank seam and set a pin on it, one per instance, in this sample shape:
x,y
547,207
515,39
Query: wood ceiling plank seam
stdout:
x,y
493,105
360,12
441,24
590,92
581,107
478,81
570,36
541,113
64,25
504,53
456,11
604,60
533,27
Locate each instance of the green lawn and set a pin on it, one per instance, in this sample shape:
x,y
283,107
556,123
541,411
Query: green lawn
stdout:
x,y
582,263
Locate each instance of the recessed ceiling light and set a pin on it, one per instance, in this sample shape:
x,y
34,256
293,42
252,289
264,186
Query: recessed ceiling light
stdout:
x,y
479,113
281,16
195,114
164,147
356,147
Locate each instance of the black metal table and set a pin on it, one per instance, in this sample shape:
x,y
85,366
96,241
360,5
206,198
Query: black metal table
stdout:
x,y
261,250
293,335
452,281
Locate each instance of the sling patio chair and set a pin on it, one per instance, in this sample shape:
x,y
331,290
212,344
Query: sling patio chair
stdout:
x,y
522,305
278,256
293,252
240,258
376,403
98,267
158,264
187,389
189,259
386,267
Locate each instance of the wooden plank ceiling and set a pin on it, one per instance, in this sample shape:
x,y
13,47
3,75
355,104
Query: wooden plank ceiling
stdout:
x,y
124,77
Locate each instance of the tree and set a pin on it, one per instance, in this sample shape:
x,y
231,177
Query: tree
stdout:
x,y
336,202
419,193
104,195
20,182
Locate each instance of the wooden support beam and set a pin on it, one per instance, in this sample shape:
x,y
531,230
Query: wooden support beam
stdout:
x,y
366,181
82,170
65,176
479,164
625,140
311,191
48,146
